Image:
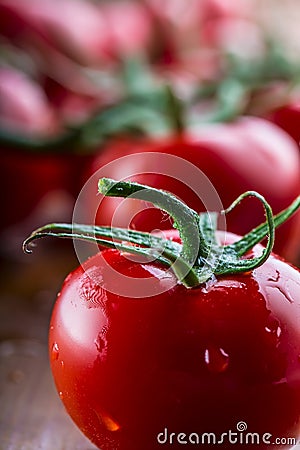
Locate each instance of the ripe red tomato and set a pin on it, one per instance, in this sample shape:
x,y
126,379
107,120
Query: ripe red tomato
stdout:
x,y
287,117
38,186
24,107
249,154
29,181
134,373
84,32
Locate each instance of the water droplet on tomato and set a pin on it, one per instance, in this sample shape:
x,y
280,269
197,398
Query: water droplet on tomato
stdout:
x,y
54,352
291,289
276,331
101,341
209,284
61,395
108,421
216,359
273,327
91,291
274,277
288,289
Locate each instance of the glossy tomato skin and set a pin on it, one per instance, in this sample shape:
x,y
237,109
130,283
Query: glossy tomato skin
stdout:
x,y
248,154
131,371
287,117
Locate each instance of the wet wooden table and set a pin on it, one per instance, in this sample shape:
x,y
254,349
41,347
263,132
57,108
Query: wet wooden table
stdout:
x,y
31,414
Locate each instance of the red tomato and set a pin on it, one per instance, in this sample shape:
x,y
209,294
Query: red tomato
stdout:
x,y
206,26
75,28
287,117
85,32
249,154
24,107
35,187
134,373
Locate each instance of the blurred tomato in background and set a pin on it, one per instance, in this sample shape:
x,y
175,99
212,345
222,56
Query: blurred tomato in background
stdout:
x,y
80,78
135,89
247,154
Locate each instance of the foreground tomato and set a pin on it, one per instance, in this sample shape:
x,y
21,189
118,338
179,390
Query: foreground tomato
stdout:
x,y
248,154
198,360
141,361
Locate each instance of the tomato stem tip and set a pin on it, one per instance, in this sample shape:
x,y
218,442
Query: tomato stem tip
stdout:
x,y
199,257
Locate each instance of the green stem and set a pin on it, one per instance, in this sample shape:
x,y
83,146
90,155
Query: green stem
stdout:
x,y
231,97
199,257
269,224
248,241
175,111
185,219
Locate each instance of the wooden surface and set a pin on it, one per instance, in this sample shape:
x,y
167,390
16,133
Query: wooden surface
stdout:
x,y
31,414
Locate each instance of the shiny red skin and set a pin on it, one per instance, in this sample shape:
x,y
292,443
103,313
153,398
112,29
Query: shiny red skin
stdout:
x,y
287,117
189,360
248,154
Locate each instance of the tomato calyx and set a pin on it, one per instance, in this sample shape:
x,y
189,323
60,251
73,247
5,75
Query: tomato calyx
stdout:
x,y
199,257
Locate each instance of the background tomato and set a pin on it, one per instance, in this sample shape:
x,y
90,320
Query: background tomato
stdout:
x,y
287,117
189,360
248,154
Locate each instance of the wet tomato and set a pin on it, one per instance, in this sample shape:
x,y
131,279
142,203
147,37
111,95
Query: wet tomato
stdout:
x,y
168,368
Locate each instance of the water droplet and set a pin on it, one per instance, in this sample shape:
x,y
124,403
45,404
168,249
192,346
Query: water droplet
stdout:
x,y
101,341
274,277
55,352
278,332
286,294
291,289
216,359
91,290
209,284
61,395
107,421
273,327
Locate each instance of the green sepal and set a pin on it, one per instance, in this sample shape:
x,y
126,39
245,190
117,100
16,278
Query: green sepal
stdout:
x,y
199,257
